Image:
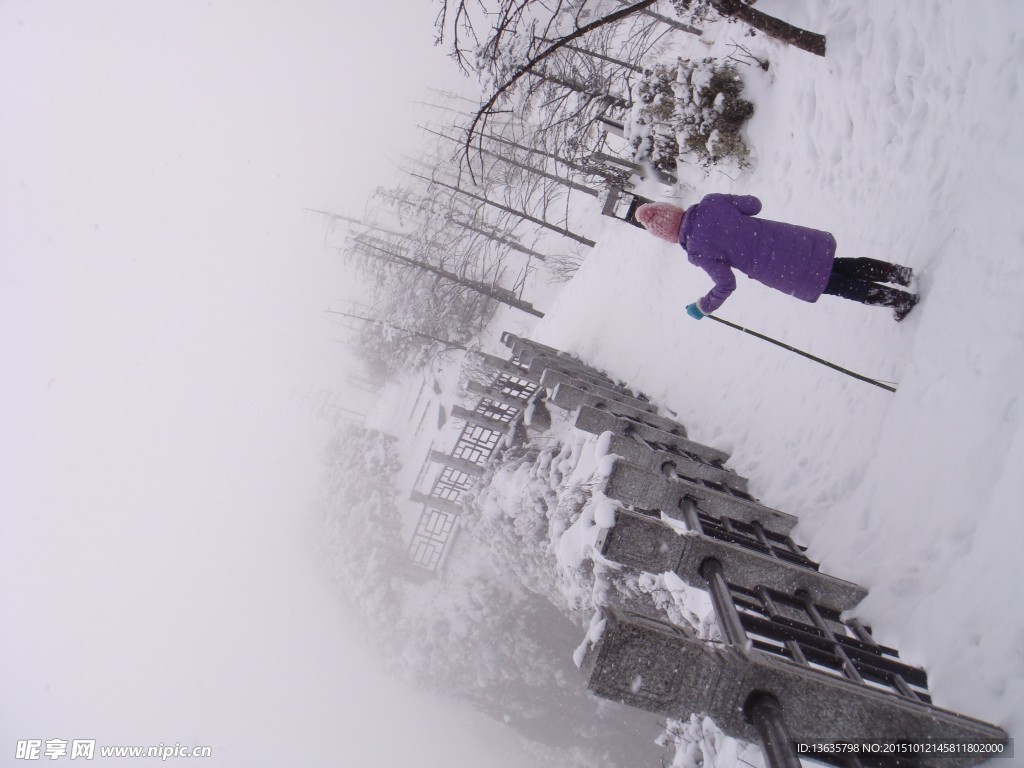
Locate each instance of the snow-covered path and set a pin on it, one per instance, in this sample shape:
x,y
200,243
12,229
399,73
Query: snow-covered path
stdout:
x,y
905,142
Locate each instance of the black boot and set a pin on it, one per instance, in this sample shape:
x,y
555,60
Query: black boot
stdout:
x,y
902,308
900,301
899,275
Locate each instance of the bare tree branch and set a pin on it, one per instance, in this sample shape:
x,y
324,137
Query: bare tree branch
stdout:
x,y
488,106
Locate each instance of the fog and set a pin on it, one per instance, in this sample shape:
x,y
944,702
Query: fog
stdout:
x,y
162,297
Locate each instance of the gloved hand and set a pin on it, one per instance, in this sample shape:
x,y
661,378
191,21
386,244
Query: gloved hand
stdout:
x,y
694,311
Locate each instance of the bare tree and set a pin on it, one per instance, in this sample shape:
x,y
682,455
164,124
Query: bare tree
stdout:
x,y
509,157
521,214
515,44
375,248
523,36
812,42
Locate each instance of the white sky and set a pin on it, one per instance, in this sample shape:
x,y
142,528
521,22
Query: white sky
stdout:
x,y
162,299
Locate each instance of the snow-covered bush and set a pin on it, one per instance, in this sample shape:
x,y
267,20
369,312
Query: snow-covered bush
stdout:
x,y
699,743
690,110
523,509
652,126
362,535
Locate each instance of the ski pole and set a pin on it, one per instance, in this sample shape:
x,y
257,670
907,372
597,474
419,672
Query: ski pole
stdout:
x,y
804,354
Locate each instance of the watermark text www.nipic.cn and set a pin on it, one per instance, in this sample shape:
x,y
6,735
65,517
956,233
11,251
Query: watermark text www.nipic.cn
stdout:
x,y
86,749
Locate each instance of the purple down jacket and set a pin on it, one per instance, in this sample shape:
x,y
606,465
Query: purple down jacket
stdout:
x,y
719,235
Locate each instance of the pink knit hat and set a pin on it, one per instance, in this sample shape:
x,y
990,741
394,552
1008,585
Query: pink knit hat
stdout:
x,y
661,220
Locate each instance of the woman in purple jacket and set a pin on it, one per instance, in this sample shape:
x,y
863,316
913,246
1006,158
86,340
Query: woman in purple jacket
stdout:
x,y
720,234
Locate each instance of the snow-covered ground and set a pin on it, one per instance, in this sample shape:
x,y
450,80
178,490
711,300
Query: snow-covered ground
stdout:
x,y
906,143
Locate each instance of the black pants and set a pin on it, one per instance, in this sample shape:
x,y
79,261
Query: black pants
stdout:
x,y
859,280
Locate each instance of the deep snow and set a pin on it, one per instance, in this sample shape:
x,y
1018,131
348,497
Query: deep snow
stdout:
x,y
904,142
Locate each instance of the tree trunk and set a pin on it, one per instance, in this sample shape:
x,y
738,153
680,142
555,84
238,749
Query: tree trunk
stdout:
x,y
551,155
664,178
419,334
602,57
543,174
811,42
512,244
530,169
498,294
514,212
557,158
608,98
673,23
